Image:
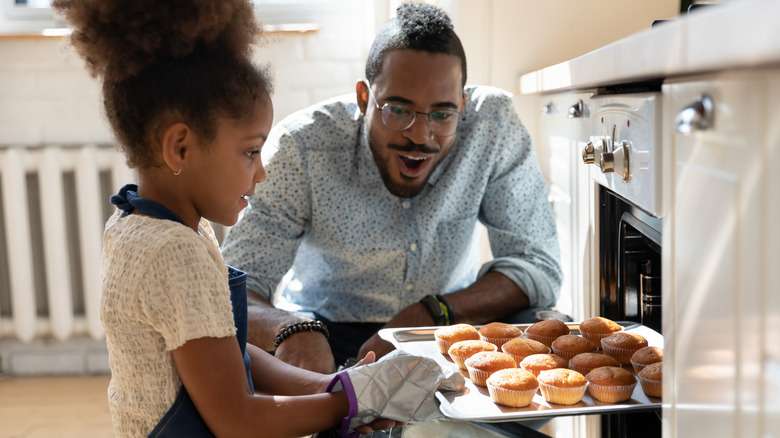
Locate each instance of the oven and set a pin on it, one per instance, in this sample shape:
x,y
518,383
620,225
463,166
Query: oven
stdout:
x,y
623,155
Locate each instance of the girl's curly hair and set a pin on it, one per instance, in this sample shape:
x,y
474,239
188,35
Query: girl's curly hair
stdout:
x,y
168,60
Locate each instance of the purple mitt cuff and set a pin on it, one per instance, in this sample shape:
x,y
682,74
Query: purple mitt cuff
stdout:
x,y
346,385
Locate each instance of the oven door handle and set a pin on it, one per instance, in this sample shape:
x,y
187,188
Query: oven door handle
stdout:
x,y
698,116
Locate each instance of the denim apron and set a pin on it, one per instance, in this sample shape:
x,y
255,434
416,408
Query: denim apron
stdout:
x,y
183,419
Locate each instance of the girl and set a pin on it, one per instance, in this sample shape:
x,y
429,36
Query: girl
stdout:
x,y
191,113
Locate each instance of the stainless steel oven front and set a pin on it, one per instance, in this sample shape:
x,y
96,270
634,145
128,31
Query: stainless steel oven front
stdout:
x,y
624,155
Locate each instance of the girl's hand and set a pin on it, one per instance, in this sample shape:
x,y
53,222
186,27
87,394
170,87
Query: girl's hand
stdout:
x,y
381,424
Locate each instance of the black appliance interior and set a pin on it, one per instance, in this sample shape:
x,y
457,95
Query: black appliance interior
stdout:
x,y
629,289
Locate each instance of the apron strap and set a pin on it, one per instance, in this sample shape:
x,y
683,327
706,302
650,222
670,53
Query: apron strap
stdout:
x,y
183,418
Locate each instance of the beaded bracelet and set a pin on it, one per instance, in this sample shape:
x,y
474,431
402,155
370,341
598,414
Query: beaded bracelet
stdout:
x,y
297,327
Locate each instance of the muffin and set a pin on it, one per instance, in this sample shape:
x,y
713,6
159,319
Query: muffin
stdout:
x,y
562,386
585,362
645,356
520,348
546,331
462,350
568,346
621,345
651,379
446,336
481,365
611,384
598,327
512,387
536,363
498,332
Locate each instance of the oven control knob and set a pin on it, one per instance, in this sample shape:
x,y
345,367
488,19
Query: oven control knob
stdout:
x,y
589,153
617,161
607,162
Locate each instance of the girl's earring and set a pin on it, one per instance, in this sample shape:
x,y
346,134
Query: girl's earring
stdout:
x,y
178,172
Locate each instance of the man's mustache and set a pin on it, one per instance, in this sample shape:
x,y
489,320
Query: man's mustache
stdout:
x,y
412,147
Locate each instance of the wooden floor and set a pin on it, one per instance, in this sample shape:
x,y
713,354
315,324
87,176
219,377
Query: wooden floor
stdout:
x,y
63,407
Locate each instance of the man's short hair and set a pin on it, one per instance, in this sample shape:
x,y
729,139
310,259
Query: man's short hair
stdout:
x,y
417,26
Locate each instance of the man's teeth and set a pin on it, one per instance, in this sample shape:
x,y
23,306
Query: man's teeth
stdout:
x,y
414,158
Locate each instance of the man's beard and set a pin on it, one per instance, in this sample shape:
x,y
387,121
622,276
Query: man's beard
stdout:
x,y
397,189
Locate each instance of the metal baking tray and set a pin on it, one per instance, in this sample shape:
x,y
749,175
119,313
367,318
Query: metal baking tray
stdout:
x,y
473,403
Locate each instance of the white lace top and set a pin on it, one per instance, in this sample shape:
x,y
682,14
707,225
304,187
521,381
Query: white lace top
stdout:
x,y
162,285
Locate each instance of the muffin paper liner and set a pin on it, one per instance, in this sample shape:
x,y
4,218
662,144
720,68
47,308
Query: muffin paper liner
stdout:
x,y
444,346
562,396
567,355
639,366
651,388
623,355
511,397
611,393
596,337
498,342
546,340
479,377
460,361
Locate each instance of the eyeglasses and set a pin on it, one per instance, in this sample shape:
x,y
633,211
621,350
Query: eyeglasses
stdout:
x,y
400,117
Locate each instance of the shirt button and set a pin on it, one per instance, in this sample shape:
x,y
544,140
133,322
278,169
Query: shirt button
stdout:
x,y
413,247
406,204
409,286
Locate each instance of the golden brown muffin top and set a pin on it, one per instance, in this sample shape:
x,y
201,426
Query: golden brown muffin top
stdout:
x,y
548,327
648,355
500,330
562,378
593,360
490,361
599,325
625,340
574,344
524,347
539,362
610,376
469,347
654,371
513,378
457,332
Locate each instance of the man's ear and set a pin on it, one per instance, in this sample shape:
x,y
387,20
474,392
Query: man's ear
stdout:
x,y
176,144
361,90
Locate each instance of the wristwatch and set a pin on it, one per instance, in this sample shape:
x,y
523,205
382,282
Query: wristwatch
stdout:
x,y
438,308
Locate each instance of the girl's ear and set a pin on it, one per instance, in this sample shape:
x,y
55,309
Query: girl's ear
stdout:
x,y
176,144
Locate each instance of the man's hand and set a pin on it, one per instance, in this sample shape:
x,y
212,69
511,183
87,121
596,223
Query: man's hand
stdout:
x,y
414,315
377,345
308,350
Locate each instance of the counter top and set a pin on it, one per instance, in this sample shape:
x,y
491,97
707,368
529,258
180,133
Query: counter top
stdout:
x,y
738,34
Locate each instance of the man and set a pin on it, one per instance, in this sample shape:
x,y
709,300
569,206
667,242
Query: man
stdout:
x,y
373,199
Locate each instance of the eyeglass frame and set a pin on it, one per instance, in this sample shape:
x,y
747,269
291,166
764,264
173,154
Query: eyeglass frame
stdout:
x,y
414,113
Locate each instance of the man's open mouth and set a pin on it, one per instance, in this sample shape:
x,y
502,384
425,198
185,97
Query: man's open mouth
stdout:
x,y
413,162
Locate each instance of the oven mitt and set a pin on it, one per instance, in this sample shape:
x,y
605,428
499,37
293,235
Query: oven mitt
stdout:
x,y
399,386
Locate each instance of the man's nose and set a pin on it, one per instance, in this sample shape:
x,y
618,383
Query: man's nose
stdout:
x,y
420,131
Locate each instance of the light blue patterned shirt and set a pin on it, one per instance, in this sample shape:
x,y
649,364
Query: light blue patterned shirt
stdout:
x,y
359,253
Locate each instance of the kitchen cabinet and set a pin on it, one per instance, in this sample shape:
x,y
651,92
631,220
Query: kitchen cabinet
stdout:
x,y
564,132
720,253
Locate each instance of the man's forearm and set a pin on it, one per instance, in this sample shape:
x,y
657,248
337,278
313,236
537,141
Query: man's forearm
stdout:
x,y
491,298
265,321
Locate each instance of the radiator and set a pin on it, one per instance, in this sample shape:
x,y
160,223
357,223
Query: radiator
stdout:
x,y
53,209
